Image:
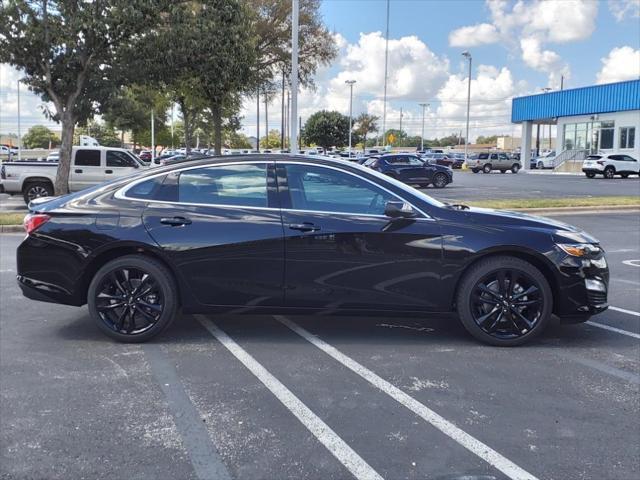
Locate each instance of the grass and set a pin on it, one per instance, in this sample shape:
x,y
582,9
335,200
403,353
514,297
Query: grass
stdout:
x,y
558,202
11,218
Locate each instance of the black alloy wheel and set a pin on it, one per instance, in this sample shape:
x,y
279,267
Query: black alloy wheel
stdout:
x,y
37,190
132,298
609,172
440,180
504,301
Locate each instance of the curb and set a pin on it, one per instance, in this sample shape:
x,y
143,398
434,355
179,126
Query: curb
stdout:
x,y
580,210
11,229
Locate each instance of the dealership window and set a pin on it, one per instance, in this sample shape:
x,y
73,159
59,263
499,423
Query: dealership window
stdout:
x,y
606,135
237,185
627,137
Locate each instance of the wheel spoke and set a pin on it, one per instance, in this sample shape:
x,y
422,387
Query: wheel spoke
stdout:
x,y
150,306
527,303
513,281
484,289
529,291
502,287
492,327
119,286
108,296
131,324
519,316
149,316
121,318
487,316
145,278
110,306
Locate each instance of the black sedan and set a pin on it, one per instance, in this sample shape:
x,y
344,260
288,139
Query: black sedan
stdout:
x,y
412,170
295,234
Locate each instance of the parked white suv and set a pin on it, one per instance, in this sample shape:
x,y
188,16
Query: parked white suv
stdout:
x,y
610,165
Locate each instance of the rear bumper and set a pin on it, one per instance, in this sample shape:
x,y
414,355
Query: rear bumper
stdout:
x,y
592,170
45,292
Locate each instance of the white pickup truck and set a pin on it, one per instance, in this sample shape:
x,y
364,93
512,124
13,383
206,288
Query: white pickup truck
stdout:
x,y
89,166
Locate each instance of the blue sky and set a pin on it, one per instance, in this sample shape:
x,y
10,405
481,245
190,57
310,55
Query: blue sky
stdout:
x,y
517,46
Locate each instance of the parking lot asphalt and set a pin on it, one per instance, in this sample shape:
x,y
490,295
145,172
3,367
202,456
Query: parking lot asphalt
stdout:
x,y
319,397
497,186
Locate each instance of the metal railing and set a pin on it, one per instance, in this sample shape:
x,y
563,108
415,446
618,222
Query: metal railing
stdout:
x,y
569,160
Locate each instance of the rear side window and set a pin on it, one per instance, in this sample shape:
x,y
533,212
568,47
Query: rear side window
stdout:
x,y
594,157
236,185
148,190
116,158
483,156
88,158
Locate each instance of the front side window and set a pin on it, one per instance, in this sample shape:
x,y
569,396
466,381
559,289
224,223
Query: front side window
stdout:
x,y
320,189
88,158
243,185
627,137
119,159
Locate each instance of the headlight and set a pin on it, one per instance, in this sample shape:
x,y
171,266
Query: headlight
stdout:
x,y
579,249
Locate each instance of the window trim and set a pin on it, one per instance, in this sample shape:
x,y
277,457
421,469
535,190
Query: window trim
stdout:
x,y
627,128
120,194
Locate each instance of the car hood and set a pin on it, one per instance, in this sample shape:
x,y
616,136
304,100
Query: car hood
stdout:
x,y
560,231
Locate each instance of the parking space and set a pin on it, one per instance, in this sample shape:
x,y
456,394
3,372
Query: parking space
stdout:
x,y
323,397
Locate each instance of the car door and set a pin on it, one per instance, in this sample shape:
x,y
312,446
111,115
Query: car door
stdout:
x,y
87,168
118,164
633,164
223,232
411,169
343,253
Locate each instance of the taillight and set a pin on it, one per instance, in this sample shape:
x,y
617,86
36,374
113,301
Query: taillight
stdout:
x,y
600,162
33,221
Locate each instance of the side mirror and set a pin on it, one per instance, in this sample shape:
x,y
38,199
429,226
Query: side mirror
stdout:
x,y
396,209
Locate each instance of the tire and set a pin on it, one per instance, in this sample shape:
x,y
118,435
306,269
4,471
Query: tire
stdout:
x,y
475,170
590,175
440,180
34,190
540,166
609,172
487,168
130,321
477,293
624,175
515,168
503,171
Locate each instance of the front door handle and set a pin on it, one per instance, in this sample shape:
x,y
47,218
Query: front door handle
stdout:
x,y
175,221
78,170
304,227
108,171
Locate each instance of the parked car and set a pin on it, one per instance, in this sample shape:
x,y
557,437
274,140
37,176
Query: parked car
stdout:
x,y
53,156
145,155
211,236
412,170
487,162
89,166
8,150
547,160
443,159
610,165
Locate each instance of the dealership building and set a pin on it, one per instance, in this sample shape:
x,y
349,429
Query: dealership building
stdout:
x,y
598,118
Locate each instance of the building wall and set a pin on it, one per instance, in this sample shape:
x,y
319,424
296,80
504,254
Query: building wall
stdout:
x,y
514,143
620,119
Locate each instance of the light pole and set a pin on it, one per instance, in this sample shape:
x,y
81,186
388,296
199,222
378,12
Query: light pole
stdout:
x,y
467,55
295,11
19,133
424,106
350,83
386,66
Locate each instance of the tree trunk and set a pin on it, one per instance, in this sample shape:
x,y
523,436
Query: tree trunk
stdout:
x,y
186,120
258,119
61,185
364,143
217,129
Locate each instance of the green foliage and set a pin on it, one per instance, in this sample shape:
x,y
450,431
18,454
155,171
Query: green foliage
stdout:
x,y
492,140
271,141
40,136
104,134
327,129
237,140
365,124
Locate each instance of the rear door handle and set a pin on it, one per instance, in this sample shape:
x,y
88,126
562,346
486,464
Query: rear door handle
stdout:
x,y
175,221
78,170
304,227
108,171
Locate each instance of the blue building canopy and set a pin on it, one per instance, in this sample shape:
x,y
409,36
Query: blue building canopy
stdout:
x,y
611,97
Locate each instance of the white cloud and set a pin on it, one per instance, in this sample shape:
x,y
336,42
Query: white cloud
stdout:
x,y
622,63
543,60
624,9
471,36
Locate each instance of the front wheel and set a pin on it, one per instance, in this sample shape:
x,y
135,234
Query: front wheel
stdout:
x,y
590,175
504,301
515,168
487,168
440,180
133,298
475,170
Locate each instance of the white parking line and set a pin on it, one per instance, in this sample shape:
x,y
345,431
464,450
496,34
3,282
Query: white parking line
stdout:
x,y
472,444
624,310
613,329
327,437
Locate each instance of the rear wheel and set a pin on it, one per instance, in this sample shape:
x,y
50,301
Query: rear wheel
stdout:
x,y
515,168
590,175
487,168
440,180
504,301
475,170
624,175
540,165
36,190
609,172
133,298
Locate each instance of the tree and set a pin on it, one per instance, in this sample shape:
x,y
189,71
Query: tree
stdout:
x,y
40,136
237,140
327,129
104,134
366,124
491,140
450,141
70,54
272,140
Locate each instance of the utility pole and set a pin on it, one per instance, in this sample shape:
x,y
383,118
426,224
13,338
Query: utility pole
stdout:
x,y
282,113
19,130
295,10
400,135
266,119
386,68
467,55
171,125
424,106
350,83
258,120
287,124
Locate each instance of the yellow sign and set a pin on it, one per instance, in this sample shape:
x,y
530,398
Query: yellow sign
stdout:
x,y
391,137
